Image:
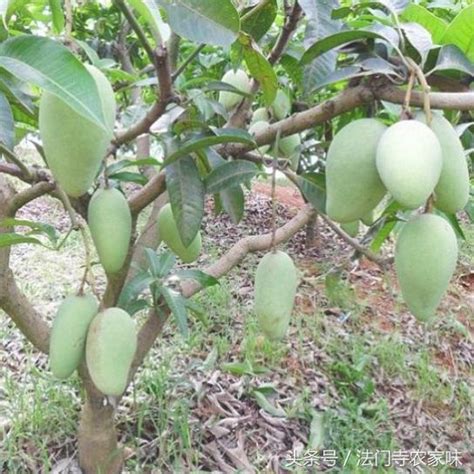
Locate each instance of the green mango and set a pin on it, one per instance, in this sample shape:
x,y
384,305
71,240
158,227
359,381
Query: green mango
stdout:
x,y
409,161
368,219
425,259
110,223
240,81
351,228
452,190
259,115
289,147
275,290
74,147
69,332
170,235
259,127
353,185
281,106
110,349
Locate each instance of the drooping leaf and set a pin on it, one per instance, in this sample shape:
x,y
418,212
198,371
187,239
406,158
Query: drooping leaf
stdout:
x,y
418,14
460,32
199,276
133,289
450,57
257,20
36,227
313,187
126,163
223,135
230,174
6,240
382,234
130,177
260,69
7,125
54,68
419,38
177,304
150,12
203,21
16,93
58,15
186,192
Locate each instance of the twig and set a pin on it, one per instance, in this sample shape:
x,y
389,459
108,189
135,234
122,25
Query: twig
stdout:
x,y
185,63
69,21
426,89
137,29
406,102
254,10
12,158
36,190
273,197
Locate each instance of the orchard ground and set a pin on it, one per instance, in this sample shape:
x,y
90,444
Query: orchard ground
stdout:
x,y
356,372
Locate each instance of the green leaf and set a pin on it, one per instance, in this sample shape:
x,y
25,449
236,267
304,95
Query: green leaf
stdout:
x,y
15,91
453,220
7,125
122,164
130,177
418,14
450,57
244,368
53,67
224,135
149,11
419,38
460,32
203,21
382,235
202,278
6,240
36,227
257,20
260,69
330,42
232,198
177,304
186,192
313,187
58,15
133,289
230,174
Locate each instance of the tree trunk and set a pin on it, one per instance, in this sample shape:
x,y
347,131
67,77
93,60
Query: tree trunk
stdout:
x,y
99,451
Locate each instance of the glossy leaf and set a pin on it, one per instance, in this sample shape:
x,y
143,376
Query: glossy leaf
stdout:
x,y
418,14
58,15
7,240
177,304
149,11
450,57
224,135
419,38
230,174
460,32
257,20
199,276
203,21
313,187
186,192
54,68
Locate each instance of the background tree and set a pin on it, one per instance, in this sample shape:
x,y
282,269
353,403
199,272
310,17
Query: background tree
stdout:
x,y
335,62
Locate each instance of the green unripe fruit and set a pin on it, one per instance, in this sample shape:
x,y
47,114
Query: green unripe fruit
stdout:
x,y
260,114
452,190
368,219
260,127
409,162
353,185
275,290
240,81
425,260
110,348
69,332
74,147
351,228
289,147
110,223
281,106
170,235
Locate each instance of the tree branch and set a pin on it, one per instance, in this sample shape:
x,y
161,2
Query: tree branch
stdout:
x,y
29,194
158,108
185,63
148,193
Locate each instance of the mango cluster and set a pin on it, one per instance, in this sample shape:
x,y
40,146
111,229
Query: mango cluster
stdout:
x,y
106,338
413,162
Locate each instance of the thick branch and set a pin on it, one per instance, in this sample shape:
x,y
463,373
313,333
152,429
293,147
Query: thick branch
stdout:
x,y
29,194
29,321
